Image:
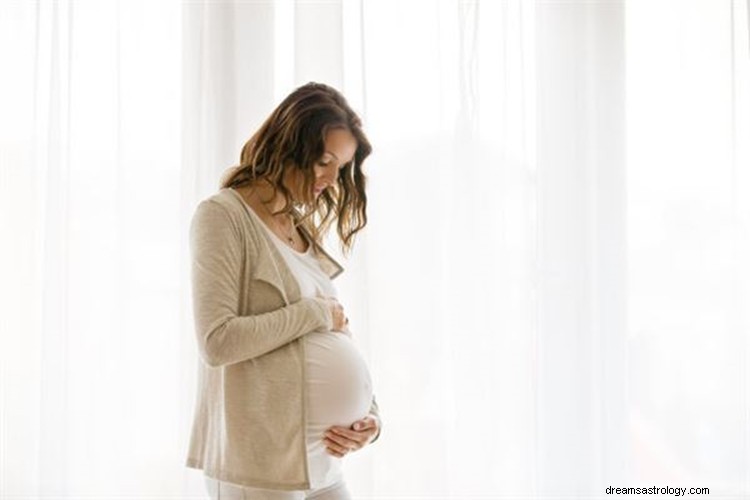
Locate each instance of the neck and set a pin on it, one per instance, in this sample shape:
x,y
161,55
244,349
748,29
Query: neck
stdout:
x,y
263,191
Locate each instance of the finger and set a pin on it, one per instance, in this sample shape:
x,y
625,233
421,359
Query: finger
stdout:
x,y
358,426
352,439
365,423
344,441
336,446
334,453
345,433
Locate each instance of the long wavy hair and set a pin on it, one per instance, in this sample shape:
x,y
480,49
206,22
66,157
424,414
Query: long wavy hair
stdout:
x,y
293,136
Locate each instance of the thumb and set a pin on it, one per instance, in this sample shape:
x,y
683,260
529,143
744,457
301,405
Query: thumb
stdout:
x,y
361,424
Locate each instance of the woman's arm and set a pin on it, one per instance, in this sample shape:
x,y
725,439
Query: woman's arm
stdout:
x,y
223,336
375,412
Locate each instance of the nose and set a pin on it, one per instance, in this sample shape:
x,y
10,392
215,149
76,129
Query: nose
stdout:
x,y
327,178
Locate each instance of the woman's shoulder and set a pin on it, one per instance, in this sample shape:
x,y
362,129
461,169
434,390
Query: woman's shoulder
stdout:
x,y
225,200
225,206
226,197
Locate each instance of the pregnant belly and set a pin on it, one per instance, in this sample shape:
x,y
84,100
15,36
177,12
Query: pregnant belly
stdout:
x,y
339,386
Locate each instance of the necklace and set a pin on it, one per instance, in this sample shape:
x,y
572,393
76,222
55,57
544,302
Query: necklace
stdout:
x,y
273,218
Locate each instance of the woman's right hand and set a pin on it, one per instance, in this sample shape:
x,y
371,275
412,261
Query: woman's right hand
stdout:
x,y
337,312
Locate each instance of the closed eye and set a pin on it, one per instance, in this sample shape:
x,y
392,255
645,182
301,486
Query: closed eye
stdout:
x,y
342,165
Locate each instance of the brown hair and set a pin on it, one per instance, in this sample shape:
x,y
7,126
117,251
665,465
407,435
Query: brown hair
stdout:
x,y
294,137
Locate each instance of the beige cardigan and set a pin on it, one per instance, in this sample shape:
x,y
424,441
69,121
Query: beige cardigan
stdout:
x,y
249,421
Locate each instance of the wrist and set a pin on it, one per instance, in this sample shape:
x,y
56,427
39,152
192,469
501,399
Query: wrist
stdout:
x,y
377,434
325,313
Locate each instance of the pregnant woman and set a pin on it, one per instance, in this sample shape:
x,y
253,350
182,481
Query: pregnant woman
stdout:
x,y
284,392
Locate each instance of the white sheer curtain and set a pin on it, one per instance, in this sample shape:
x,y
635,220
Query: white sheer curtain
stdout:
x,y
551,290
93,390
689,232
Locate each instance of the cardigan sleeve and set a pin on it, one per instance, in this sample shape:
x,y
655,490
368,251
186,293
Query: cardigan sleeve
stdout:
x,y
223,336
375,412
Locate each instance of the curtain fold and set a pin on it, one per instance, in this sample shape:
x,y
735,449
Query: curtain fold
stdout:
x,y
449,250
581,392
92,239
687,182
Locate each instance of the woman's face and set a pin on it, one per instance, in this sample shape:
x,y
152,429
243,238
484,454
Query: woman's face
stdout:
x,y
340,146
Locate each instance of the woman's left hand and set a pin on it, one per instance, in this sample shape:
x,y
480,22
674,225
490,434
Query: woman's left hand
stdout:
x,y
341,440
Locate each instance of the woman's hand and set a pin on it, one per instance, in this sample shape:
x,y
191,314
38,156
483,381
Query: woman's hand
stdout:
x,y
340,321
341,440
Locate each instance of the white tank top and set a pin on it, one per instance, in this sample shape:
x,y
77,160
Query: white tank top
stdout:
x,y
339,387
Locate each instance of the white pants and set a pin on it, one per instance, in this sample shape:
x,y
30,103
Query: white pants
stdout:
x,y
221,490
